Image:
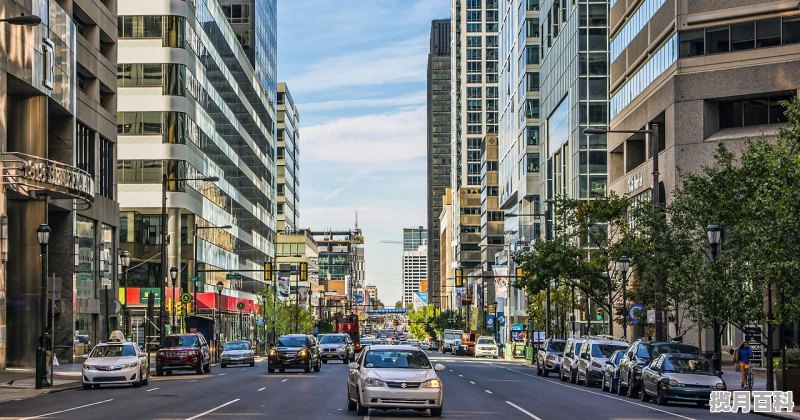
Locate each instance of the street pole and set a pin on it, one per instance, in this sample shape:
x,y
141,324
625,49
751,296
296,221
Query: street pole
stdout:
x,y
162,271
547,310
296,301
659,324
274,309
572,288
196,267
770,330
43,235
107,311
625,304
125,301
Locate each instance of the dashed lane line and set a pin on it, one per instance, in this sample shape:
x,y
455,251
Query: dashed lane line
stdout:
x,y
261,389
284,380
151,389
472,382
523,410
69,409
213,409
487,391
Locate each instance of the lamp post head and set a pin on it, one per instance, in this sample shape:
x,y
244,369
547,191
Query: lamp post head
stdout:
x,y
624,263
23,20
43,234
210,178
714,233
173,273
594,130
220,286
125,258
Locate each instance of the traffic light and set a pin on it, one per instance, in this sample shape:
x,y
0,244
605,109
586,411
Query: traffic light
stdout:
x,y
520,273
348,306
267,271
375,304
459,277
303,271
599,314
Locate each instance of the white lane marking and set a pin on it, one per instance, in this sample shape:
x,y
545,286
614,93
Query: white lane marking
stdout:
x,y
523,410
261,389
473,383
284,380
451,370
460,376
222,374
213,409
151,389
366,417
193,380
487,391
69,409
606,396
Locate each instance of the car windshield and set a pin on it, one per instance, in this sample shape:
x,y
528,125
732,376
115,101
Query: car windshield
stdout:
x,y
332,339
113,351
397,359
687,365
292,341
181,341
237,346
673,348
618,357
486,341
557,346
604,350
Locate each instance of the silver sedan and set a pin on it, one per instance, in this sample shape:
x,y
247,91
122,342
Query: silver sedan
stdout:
x,y
394,377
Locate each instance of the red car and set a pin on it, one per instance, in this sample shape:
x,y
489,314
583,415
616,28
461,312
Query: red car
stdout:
x,y
183,352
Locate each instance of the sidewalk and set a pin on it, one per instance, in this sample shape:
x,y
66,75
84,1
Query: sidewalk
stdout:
x,y
733,380
19,383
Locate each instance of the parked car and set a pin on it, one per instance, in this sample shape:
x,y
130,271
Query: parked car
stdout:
x,y
337,347
183,352
237,352
294,351
116,362
569,362
486,347
592,358
640,354
548,357
433,345
459,348
394,377
680,377
611,371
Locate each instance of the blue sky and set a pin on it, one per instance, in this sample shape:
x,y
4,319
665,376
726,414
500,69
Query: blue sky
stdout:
x,y
357,72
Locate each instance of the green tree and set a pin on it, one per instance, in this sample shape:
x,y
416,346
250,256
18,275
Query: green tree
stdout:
x,y
398,305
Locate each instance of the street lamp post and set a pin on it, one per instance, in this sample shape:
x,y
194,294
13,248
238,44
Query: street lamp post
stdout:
x,y
173,274
197,261
546,215
43,235
652,132
125,260
23,20
163,266
714,234
220,286
624,263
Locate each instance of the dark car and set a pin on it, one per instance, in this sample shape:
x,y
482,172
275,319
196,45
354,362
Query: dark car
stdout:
x,y
183,352
336,347
569,362
680,377
548,357
639,355
294,351
237,352
611,371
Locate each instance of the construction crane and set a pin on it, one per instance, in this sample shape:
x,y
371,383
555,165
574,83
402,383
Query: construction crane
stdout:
x,y
392,242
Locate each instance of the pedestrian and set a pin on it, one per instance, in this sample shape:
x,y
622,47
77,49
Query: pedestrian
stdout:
x,y
742,357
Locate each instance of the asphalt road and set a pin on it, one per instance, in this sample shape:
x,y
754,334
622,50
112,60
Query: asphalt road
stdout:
x,y
473,389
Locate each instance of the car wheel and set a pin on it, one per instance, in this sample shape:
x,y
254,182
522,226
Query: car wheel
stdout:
x,y
645,397
307,369
660,399
159,372
538,369
87,386
199,369
620,389
318,366
436,412
351,405
223,365
324,361
168,372
253,364
281,370
360,409
633,391
207,367
270,370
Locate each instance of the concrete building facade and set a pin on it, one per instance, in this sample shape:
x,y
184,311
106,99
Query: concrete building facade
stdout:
x,y
438,143
288,155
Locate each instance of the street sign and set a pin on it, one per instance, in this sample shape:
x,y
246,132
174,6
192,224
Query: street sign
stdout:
x,y
117,306
196,278
240,305
634,313
260,320
233,276
186,298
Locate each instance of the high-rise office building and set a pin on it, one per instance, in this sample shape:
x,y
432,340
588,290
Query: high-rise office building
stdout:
x,y
415,270
413,237
198,104
341,263
288,154
474,69
574,95
683,66
491,215
438,143
58,97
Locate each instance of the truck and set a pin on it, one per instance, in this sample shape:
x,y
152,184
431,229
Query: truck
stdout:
x,y
348,324
449,337
468,339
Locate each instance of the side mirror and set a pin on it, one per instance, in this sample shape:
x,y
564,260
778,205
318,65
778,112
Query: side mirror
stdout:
x,y
352,365
439,367
85,356
609,362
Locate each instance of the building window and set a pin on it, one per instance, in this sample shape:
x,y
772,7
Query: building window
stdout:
x,y
237,13
532,54
752,111
84,149
532,162
768,33
791,30
532,135
717,39
107,168
692,43
743,36
532,108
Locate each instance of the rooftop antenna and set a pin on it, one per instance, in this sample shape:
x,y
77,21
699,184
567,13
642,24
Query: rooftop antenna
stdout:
x,y
356,220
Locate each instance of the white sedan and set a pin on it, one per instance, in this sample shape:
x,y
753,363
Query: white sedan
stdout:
x,y
394,377
117,362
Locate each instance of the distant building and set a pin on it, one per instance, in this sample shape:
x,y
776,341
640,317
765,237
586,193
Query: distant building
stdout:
x,y
341,267
292,249
415,270
372,295
413,237
288,155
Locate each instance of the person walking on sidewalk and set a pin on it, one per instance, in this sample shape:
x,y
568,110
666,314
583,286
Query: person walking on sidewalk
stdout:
x,y
743,355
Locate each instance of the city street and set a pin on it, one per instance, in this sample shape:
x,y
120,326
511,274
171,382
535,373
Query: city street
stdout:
x,y
473,389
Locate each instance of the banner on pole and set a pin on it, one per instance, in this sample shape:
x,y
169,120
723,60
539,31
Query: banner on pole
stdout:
x,y
283,287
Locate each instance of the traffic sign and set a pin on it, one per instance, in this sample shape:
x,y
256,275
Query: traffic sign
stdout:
x,y
240,305
233,276
196,278
186,298
634,312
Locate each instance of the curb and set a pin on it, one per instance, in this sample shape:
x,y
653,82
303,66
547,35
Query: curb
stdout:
x,y
777,415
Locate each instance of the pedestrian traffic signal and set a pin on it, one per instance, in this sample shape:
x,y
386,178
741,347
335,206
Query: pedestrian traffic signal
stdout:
x,y
599,314
267,271
303,271
459,277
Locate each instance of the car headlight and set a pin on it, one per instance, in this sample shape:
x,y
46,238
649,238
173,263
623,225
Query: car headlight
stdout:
x,y
341,348
432,383
720,385
272,353
302,354
129,365
673,382
224,355
597,365
374,382
89,367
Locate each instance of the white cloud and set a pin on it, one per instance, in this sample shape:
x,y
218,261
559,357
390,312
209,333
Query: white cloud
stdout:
x,y
414,99
369,139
